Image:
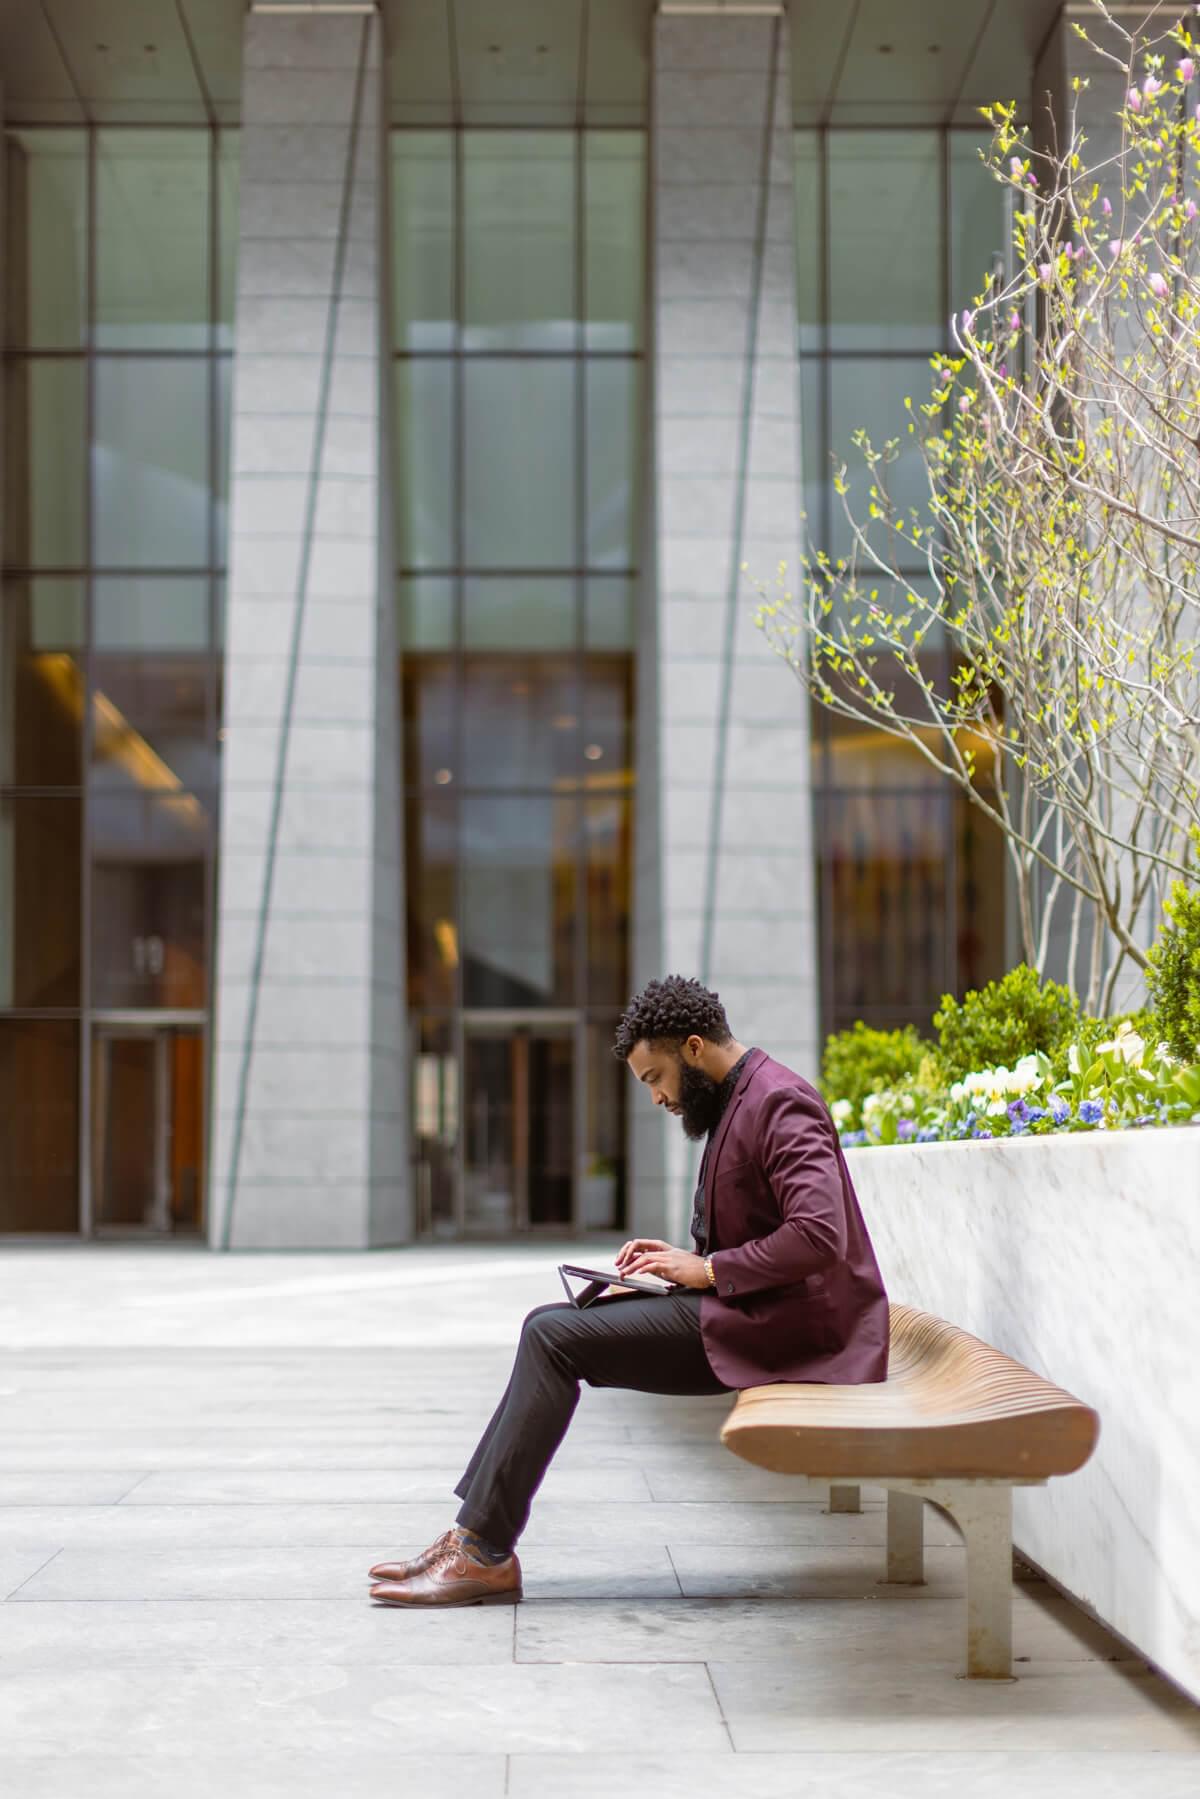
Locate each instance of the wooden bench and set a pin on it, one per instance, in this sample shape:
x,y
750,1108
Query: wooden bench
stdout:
x,y
956,1424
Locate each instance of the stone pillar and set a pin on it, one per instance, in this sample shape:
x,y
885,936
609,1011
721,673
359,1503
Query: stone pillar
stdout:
x,y
736,901
309,1109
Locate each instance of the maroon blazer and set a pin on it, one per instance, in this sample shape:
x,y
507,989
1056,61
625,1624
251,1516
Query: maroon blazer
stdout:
x,y
798,1294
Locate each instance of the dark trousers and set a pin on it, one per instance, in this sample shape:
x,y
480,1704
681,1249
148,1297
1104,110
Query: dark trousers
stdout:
x,y
650,1344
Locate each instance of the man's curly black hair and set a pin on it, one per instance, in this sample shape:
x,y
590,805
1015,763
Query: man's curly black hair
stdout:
x,y
669,1011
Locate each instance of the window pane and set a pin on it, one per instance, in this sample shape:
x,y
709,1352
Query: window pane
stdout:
x,y
45,433
151,463
519,893
609,624
431,898
607,719
519,504
869,395
885,240
428,711
39,1124
425,612
150,724
607,827
150,612
519,240
45,274
520,721
228,200
39,901
222,386
602,1201
148,904
978,238
807,175
423,240
435,1126
41,683
613,392
614,202
425,464
152,240
529,612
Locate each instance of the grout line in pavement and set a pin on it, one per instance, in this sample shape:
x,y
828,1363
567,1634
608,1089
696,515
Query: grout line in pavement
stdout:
x,y
720,1708
674,1570
29,1577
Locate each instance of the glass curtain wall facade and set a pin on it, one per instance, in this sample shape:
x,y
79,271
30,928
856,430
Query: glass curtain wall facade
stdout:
x,y
518,300
117,338
894,229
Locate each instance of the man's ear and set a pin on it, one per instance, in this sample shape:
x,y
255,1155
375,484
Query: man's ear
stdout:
x,y
695,1048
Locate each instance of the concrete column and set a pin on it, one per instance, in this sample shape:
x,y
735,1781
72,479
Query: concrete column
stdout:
x,y
730,758
308,1144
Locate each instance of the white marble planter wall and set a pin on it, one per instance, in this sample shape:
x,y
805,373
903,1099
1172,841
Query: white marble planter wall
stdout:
x,y
1080,1256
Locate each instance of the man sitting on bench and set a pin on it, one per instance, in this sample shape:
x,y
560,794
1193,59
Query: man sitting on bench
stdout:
x,y
782,1286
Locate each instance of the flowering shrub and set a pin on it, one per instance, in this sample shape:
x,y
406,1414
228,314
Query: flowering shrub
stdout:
x,y
862,1060
1173,974
1121,1083
1006,1019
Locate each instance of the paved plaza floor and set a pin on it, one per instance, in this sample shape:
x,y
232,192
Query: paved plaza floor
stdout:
x,y
201,1455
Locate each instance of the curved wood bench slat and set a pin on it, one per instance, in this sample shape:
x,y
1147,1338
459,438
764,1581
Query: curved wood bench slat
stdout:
x,y
951,1407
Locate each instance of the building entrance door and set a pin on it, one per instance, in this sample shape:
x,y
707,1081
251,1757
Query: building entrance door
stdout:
x,y
147,1112
518,1123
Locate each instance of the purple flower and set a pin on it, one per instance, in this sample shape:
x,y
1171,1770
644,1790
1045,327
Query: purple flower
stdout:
x,y
1036,1114
981,1131
905,1130
1146,1118
927,1135
853,1139
1091,1111
1157,283
1018,1111
1060,1111
1187,70
1014,320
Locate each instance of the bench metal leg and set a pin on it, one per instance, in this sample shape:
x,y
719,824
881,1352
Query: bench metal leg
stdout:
x,y
905,1539
845,1499
984,1515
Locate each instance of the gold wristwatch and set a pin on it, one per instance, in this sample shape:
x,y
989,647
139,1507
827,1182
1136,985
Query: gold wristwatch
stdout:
x,y
708,1269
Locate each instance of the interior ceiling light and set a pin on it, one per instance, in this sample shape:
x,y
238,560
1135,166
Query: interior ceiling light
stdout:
x,y
772,9
313,6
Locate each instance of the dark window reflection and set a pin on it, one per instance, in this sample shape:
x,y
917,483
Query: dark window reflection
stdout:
x,y
41,683
428,711
518,900
435,1126
150,723
607,824
431,871
521,723
39,1124
602,1200
148,900
39,901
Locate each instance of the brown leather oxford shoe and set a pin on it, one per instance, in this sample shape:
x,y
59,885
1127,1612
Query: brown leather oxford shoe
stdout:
x,y
455,1577
406,1570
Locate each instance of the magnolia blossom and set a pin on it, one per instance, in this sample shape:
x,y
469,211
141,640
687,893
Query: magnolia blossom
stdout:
x,y
1106,207
1134,99
1190,210
1046,270
1117,246
1014,320
1016,167
1158,286
1187,69
1151,86
968,319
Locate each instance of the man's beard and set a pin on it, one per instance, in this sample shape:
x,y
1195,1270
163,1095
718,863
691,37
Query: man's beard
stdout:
x,y
699,1101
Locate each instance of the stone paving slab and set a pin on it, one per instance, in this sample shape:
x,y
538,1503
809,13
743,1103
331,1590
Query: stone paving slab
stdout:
x,y
200,1457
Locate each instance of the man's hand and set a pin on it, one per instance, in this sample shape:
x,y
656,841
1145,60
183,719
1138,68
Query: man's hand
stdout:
x,y
650,1255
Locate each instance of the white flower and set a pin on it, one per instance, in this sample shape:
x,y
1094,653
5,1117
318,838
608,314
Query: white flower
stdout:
x,y
1073,1059
843,1111
958,1091
998,1108
872,1106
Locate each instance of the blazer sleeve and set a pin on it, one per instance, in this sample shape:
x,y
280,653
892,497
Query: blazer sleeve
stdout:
x,y
797,1154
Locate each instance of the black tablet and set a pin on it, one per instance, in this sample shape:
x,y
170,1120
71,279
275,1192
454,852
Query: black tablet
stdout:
x,y
598,1282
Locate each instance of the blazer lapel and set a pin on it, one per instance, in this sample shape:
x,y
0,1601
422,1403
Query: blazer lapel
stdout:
x,y
754,1062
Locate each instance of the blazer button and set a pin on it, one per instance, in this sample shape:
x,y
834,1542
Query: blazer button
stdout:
x,y
729,1286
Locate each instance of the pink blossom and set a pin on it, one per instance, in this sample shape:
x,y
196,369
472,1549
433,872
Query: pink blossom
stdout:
x,y
1106,207
1115,246
1134,99
1046,270
1014,320
1198,115
1190,210
1158,285
968,319
1015,166
1187,69
1004,371
1031,178
964,405
1150,86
